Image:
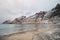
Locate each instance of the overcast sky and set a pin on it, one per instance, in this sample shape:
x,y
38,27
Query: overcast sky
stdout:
x,y
15,8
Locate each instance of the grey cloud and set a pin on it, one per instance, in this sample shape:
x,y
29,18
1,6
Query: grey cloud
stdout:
x,y
16,8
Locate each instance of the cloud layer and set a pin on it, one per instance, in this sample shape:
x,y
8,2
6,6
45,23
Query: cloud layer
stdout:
x,y
16,8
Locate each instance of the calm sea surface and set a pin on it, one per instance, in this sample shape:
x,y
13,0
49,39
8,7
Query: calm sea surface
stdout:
x,y
6,29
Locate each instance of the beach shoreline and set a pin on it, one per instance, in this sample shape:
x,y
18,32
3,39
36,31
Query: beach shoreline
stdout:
x,y
25,35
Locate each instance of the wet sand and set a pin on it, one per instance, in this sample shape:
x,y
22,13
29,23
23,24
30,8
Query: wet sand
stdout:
x,y
26,35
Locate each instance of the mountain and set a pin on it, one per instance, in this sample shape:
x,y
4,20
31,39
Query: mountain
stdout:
x,y
40,17
2,19
54,12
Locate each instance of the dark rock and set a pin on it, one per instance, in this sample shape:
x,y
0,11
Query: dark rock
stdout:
x,y
42,15
7,22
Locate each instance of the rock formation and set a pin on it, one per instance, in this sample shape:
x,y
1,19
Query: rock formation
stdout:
x,y
41,17
54,12
7,22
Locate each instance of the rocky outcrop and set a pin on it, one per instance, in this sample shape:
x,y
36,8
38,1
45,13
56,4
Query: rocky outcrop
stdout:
x,y
7,22
31,19
15,21
40,17
54,12
53,15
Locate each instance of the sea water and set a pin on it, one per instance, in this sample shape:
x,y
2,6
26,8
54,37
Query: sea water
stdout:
x,y
6,29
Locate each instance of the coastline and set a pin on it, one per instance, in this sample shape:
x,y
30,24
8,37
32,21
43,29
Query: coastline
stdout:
x,y
25,35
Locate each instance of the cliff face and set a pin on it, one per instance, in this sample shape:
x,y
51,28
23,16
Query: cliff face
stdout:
x,y
40,17
7,22
36,18
54,12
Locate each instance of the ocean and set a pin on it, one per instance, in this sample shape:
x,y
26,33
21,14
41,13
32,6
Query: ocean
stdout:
x,y
6,29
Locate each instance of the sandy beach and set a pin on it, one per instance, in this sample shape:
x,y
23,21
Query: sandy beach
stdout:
x,y
26,35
